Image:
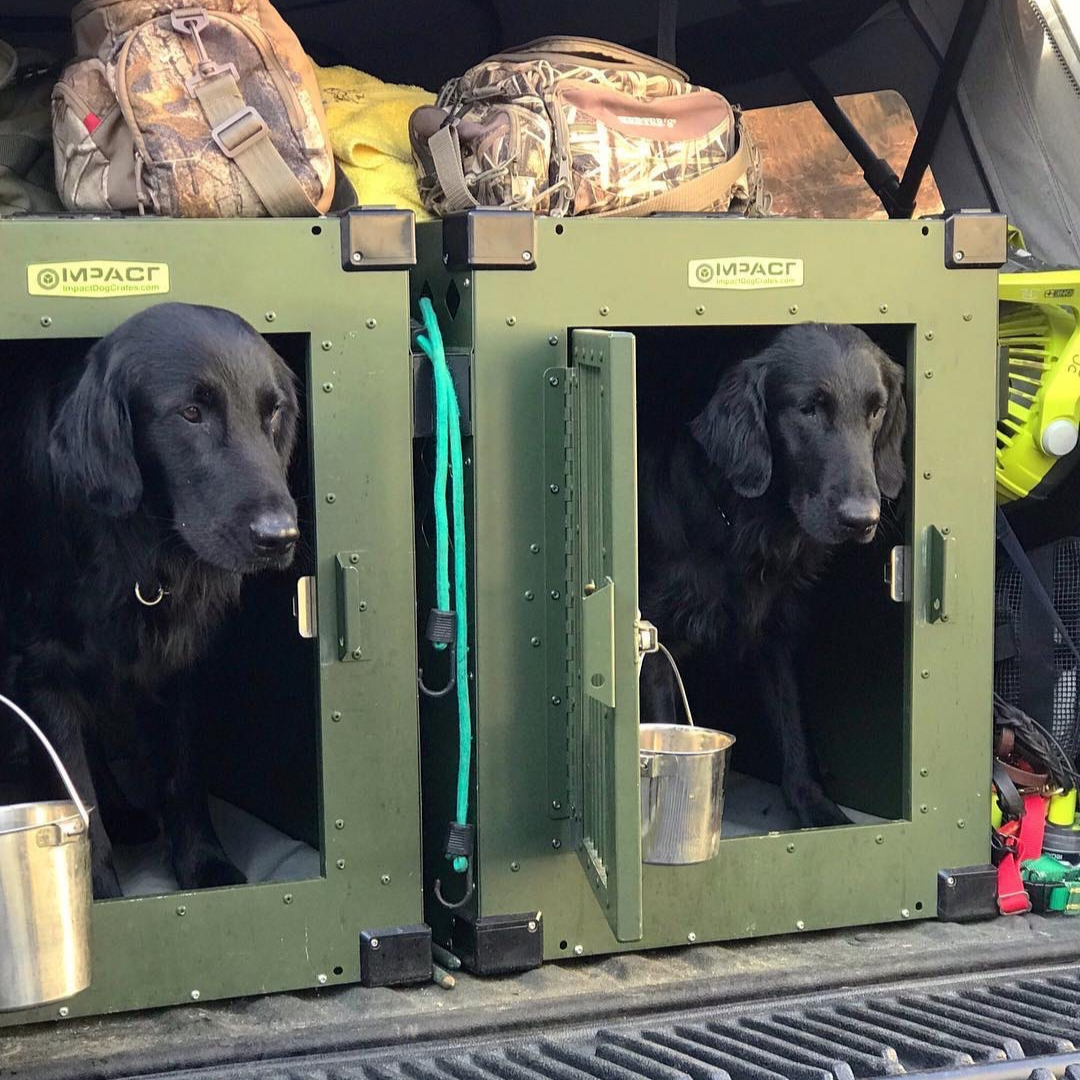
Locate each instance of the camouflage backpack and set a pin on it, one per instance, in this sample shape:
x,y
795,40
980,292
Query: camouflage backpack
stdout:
x,y
567,126
186,111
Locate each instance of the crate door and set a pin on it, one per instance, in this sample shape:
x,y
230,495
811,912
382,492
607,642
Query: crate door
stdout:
x,y
603,571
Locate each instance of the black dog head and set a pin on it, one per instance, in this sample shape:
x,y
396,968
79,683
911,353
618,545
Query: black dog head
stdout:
x,y
819,415
185,412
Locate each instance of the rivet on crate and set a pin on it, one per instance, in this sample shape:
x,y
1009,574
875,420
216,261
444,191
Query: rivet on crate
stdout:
x,y
553,380
556,843
554,340
328,387
929,335
925,673
374,942
327,346
526,256
529,594
339,824
967,316
691,937
793,310
531,925
336,716
535,642
181,910
270,316
904,913
700,309
556,804
511,320
63,1011
340,864
928,374
579,950
555,594
800,925
321,978
961,824
924,809
884,309
556,700
924,771
791,849
385,879
357,256
534,548
554,489
879,839
371,323
515,867
331,497
195,995
928,475
605,310
287,898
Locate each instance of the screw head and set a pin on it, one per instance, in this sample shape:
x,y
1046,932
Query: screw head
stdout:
x,y
904,913
181,910
385,879
553,380
884,309
362,605
925,673
553,340
357,653
556,804
605,310
579,950
327,346
924,809
195,995
336,716
340,864
700,309
354,558
950,882
791,849
63,1011
929,335
526,256
800,925
556,843
555,594
879,839
287,898
331,497
515,867
374,942
328,387
534,548
555,699
793,310
46,320
357,256
928,374
961,824
924,771
531,926
534,642
928,475
691,937
370,323
967,316
958,256
529,594
554,489
339,824
511,320
321,978
270,316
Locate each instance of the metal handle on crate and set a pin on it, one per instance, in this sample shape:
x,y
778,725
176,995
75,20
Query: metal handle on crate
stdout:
x,y
83,812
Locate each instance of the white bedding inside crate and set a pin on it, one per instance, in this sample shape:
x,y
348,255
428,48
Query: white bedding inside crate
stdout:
x,y
753,807
258,849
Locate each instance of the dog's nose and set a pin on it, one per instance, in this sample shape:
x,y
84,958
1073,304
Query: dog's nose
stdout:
x,y
274,533
859,515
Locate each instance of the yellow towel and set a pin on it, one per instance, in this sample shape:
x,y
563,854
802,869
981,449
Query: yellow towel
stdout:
x,y
369,132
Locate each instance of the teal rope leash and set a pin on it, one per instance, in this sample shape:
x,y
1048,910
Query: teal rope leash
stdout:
x,y
449,464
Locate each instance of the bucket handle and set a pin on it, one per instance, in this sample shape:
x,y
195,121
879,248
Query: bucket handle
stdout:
x,y
83,813
678,679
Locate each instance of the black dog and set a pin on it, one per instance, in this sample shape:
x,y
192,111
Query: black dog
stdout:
x,y
790,457
141,484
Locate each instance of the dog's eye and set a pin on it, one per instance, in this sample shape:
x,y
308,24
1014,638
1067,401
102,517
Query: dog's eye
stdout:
x,y
877,412
809,409
192,414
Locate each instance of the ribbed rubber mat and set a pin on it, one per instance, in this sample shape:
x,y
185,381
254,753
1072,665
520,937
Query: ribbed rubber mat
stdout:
x,y
1002,1027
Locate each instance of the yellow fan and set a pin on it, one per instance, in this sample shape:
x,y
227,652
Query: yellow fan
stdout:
x,y
1039,327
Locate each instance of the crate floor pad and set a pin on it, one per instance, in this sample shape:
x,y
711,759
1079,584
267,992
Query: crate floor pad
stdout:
x,y
984,1000
753,807
258,849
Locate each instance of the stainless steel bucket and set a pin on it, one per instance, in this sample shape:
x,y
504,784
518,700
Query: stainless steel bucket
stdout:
x,y
45,895
682,792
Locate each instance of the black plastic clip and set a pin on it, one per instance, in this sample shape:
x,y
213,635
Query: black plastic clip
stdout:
x,y
441,630
460,841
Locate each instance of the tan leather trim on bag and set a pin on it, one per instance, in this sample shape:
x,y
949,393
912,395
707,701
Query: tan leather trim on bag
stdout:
x,y
666,119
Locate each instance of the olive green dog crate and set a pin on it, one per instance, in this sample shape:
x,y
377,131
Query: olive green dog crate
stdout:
x,y
315,763
896,687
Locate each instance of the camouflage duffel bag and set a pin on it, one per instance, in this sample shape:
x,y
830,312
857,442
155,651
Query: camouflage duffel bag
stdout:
x,y
568,126
208,111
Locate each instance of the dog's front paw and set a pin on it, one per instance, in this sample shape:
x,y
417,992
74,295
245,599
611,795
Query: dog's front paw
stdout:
x,y
211,870
814,809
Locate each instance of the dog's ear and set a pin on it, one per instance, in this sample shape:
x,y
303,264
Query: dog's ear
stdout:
x,y
889,445
732,430
285,437
91,446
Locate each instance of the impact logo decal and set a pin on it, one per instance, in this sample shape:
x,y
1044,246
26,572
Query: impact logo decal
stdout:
x,y
95,278
745,272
